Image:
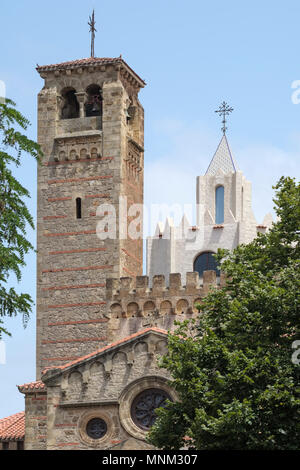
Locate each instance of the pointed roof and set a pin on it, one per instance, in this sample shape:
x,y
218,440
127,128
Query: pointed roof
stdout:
x,y
223,159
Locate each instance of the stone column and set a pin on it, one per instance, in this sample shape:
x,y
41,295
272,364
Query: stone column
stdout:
x,y
81,96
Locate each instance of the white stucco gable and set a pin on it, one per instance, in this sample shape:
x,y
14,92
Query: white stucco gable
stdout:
x,y
175,248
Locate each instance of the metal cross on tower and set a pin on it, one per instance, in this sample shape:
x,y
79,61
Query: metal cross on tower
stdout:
x,y
91,24
224,110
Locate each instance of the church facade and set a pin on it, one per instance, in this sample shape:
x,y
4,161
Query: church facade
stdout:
x,y
224,220
101,325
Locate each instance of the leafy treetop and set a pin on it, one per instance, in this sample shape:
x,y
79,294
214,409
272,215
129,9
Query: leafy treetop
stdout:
x,y
14,215
232,367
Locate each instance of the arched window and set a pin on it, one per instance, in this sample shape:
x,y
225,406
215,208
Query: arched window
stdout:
x,y
93,106
220,205
206,262
70,107
78,208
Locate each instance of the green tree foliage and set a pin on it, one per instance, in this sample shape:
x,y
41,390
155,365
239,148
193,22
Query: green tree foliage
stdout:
x,y
232,367
14,215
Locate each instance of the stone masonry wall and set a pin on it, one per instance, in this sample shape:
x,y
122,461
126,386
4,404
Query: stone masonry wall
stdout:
x,y
132,305
35,421
104,387
83,158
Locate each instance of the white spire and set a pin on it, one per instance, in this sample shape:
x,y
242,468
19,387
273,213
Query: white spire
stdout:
x,y
222,159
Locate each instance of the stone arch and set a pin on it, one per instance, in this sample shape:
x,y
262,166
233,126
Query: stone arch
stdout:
x,y
149,307
94,152
196,301
62,155
140,348
83,153
182,306
96,380
116,310
161,347
119,357
165,307
70,107
119,366
72,154
74,377
93,105
96,368
74,385
132,309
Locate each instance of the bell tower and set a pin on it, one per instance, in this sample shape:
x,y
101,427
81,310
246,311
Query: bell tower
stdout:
x,y
91,131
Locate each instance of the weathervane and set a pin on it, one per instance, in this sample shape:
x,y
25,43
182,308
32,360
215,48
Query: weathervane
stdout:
x,y
92,30
224,110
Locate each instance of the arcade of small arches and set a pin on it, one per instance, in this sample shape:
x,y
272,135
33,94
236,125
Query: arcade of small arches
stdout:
x,y
137,401
148,308
79,154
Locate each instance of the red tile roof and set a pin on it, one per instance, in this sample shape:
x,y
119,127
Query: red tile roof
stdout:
x,y
13,427
32,386
85,63
108,347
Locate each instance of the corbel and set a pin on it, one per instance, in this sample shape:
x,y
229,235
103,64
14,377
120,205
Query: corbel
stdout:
x,y
64,385
107,368
130,358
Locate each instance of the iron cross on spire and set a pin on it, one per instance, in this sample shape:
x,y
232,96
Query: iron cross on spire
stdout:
x,y
91,24
224,110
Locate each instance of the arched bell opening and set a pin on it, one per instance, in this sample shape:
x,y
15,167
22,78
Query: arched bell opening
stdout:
x,y
93,105
70,109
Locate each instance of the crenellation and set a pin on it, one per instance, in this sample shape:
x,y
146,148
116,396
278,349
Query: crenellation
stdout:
x,y
192,282
131,300
158,285
209,279
174,283
142,285
126,286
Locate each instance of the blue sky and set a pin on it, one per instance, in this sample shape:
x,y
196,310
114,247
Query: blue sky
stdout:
x,y
193,55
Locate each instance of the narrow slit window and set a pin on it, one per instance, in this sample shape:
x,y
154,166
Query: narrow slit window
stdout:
x,y
220,205
78,208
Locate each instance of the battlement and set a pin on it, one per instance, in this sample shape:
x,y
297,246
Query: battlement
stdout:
x,y
129,297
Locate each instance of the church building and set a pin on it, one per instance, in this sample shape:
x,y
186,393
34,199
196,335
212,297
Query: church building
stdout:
x,y
224,220
101,324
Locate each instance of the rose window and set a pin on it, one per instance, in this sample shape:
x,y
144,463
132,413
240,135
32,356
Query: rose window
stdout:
x,y
144,406
96,428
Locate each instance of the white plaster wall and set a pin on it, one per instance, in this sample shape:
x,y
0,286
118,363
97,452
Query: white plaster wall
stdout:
x,y
174,253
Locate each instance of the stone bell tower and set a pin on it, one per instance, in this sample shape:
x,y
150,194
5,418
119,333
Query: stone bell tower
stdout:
x,y
91,130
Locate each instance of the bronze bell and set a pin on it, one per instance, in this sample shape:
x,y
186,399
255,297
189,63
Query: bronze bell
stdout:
x,y
96,103
127,115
